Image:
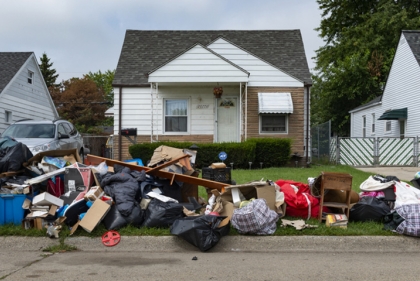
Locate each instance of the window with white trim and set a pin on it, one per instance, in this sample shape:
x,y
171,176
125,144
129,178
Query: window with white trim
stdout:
x,y
373,123
388,126
364,126
273,123
175,115
8,117
30,77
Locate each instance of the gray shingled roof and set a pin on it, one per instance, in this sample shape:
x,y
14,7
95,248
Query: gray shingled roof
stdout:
x,y
374,101
10,63
413,40
145,50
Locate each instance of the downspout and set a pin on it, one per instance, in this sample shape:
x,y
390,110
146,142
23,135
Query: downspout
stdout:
x,y
307,124
151,112
246,110
119,123
240,112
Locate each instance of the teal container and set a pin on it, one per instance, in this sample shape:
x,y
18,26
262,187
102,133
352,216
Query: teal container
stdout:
x,y
11,210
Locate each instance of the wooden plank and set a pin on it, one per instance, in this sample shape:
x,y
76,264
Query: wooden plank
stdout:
x,y
166,164
96,160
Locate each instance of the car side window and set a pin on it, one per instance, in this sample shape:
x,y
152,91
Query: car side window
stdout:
x,y
73,130
62,130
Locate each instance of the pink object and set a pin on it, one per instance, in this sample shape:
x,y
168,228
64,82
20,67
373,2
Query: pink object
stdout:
x,y
214,213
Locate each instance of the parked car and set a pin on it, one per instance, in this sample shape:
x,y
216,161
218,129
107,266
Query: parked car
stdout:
x,y
43,135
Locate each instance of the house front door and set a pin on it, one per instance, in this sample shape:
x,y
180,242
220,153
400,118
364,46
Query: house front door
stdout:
x,y
227,119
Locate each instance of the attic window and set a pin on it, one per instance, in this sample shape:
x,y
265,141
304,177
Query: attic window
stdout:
x,y
30,77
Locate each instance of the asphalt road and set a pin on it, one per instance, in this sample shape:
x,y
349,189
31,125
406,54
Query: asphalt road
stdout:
x,y
234,258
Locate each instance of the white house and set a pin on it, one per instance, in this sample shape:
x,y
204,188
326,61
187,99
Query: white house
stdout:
x,y
165,85
23,92
396,113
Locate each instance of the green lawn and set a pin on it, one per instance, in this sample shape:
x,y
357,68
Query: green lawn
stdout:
x,y
243,176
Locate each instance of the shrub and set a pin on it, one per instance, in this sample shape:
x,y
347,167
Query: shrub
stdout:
x,y
272,152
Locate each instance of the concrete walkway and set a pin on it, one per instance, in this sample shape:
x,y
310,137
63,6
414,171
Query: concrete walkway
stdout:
x,y
403,173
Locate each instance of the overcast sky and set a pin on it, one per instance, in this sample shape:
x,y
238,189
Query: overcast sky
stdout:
x,y
87,35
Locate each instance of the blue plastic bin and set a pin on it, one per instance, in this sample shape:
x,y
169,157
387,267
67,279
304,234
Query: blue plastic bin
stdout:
x,y
11,210
137,160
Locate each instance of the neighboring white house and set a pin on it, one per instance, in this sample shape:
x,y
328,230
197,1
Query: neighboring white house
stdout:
x,y
165,81
396,113
23,92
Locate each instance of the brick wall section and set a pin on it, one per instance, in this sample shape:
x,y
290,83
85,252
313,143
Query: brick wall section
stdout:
x,y
295,120
146,139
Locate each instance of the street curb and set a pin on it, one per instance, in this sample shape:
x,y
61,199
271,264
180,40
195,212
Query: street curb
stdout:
x,y
239,243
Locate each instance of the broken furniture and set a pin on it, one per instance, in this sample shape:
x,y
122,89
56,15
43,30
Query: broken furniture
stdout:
x,y
335,181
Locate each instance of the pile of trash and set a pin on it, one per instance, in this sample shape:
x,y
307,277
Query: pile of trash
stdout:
x,y
54,189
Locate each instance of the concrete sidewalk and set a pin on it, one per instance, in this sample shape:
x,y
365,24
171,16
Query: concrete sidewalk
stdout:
x,y
403,173
238,243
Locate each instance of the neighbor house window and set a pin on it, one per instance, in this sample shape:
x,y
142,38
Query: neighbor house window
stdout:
x,y
30,77
373,123
8,117
388,126
402,128
176,115
273,123
364,126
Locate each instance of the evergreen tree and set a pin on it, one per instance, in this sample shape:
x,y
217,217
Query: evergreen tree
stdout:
x,y
47,72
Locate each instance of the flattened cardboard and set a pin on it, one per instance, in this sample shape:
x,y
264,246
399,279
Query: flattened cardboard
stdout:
x,y
46,199
94,215
68,154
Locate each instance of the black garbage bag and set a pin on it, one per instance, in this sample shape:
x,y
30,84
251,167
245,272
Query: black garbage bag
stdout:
x,y
162,214
202,231
369,208
13,157
114,220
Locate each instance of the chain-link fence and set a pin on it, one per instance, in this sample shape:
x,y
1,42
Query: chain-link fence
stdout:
x,y
320,142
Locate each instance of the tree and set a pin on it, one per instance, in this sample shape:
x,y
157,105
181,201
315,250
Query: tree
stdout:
x,y
47,72
104,82
351,69
81,102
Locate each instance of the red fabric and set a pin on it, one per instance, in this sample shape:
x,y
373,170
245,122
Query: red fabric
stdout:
x,y
296,202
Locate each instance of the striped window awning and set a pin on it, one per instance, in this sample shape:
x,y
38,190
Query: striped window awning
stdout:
x,y
275,103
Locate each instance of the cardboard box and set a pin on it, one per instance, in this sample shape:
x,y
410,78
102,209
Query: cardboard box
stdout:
x,y
46,199
251,190
71,155
94,215
95,192
77,179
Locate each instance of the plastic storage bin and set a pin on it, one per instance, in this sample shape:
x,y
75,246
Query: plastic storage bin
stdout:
x,y
11,210
136,161
219,174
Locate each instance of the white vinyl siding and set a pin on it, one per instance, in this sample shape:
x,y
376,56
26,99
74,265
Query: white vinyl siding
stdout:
x,y
27,100
403,90
198,65
262,74
137,112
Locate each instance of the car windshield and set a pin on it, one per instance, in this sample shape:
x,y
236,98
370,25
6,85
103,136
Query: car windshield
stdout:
x,y
30,131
